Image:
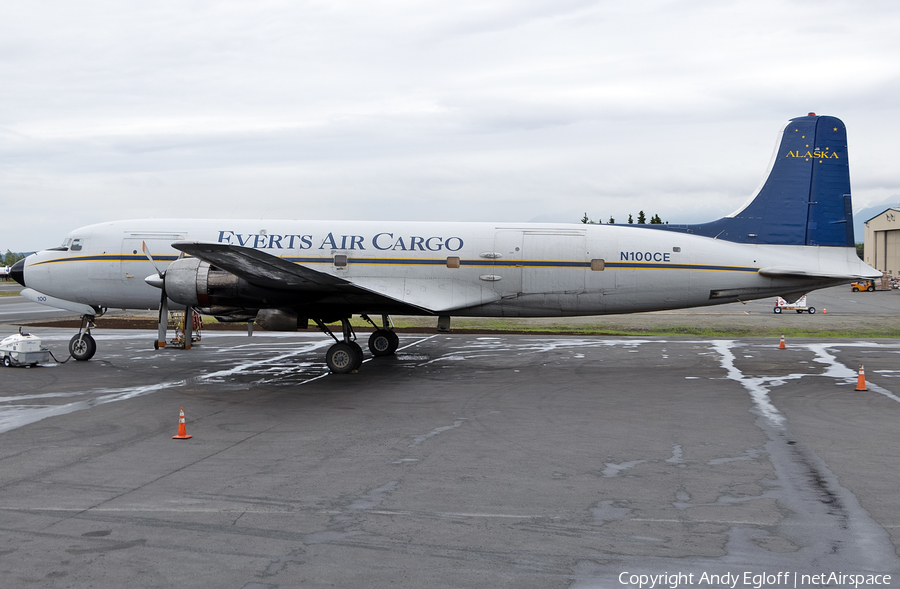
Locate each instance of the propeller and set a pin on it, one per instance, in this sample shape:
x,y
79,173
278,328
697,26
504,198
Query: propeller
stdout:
x,y
158,281
147,253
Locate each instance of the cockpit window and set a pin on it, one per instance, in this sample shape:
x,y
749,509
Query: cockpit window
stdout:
x,y
62,248
76,245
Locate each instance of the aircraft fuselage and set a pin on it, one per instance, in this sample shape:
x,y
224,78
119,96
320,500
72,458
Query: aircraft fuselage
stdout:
x,y
460,269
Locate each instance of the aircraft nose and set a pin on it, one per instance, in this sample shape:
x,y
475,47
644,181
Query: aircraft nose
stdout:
x,y
17,272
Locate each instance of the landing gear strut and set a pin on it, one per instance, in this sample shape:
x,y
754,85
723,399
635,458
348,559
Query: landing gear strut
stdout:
x,y
82,346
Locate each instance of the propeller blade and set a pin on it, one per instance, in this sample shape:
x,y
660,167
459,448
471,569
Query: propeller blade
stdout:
x,y
163,317
159,282
146,251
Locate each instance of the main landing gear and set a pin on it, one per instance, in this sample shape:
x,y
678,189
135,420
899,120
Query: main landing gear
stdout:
x,y
383,341
347,355
82,346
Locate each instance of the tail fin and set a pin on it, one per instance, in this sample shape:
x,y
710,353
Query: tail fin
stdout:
x,y
805,198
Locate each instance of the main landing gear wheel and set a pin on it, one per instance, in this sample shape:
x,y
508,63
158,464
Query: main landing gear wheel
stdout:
x,y
343,358
359,354
82,347
395,341
383,342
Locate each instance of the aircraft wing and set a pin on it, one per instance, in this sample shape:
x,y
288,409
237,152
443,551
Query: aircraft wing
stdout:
x,y
268,271
260,268
437,295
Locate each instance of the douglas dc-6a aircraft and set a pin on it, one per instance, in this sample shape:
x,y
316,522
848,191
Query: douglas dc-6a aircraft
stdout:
x,y
794,235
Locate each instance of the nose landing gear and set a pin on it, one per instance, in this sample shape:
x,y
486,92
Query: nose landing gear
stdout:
x,y
82,346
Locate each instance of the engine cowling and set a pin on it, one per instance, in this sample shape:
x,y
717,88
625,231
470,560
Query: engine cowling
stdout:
x,y
182,280
195,283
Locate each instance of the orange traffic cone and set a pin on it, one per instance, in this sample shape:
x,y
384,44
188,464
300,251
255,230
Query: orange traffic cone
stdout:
x,y
182,431
824,311
781,345
861,379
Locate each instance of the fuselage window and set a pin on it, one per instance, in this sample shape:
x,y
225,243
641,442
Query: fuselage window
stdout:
x,y
76,245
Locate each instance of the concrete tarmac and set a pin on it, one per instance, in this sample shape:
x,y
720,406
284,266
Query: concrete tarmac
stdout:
x,y
17,308
463,461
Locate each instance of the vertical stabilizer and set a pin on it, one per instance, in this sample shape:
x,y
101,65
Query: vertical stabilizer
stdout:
x,y
804,200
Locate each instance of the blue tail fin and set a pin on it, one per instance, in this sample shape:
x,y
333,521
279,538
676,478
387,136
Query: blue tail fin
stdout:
x,y
805,199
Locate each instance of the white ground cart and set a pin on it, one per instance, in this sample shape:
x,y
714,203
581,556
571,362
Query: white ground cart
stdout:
x,y
23,349
799,306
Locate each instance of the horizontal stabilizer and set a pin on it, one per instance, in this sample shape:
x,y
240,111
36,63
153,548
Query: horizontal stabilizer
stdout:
x,y
788,272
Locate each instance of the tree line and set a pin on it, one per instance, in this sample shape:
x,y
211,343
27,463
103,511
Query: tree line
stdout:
x,y
641,220
10,258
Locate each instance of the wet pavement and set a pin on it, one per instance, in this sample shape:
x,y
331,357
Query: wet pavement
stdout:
x,y
463,461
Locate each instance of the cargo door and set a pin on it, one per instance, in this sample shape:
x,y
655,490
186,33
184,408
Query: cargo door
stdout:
x,y
555,262
504,274
134,263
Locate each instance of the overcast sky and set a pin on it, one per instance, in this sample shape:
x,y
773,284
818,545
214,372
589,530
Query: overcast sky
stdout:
x,y
469,111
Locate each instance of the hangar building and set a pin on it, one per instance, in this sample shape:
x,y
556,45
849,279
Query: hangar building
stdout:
x,y
882,241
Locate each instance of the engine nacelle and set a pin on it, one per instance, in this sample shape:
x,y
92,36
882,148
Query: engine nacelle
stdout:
x,y
182,281
194,283
280,320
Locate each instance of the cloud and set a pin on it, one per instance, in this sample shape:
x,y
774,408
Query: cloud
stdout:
x,y
458,110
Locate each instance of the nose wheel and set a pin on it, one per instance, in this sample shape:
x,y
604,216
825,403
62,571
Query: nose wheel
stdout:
x,y
82,346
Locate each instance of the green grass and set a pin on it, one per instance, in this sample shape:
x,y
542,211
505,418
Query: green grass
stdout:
x,y
8,293
490,325
519,326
